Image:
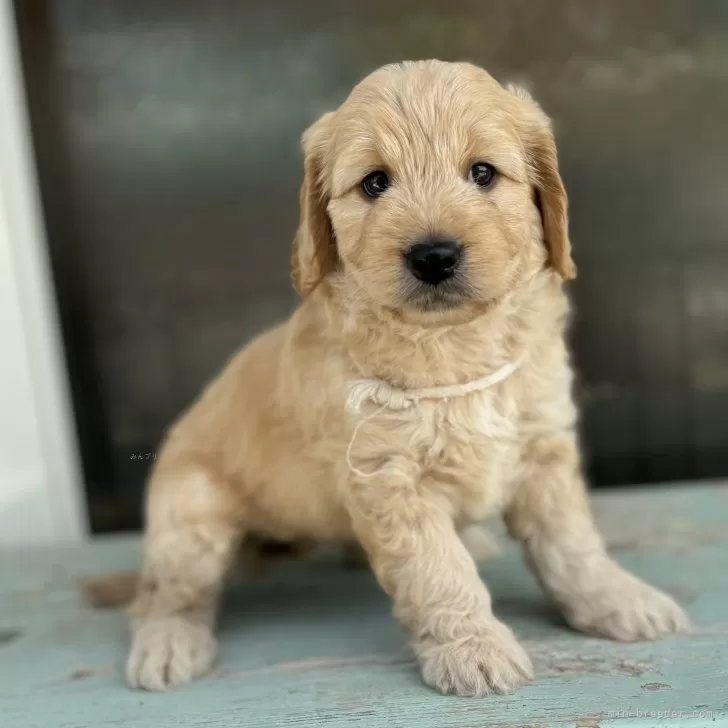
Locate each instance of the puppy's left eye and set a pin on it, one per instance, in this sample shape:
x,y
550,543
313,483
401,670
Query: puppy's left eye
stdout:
x,y
482,174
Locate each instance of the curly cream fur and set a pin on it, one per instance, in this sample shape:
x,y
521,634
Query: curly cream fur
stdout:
x,y
263,449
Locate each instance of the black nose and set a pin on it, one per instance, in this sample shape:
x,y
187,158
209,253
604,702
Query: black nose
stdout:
x,y
433,261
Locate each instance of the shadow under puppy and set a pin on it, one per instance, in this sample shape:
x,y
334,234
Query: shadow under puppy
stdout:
x,y
422,385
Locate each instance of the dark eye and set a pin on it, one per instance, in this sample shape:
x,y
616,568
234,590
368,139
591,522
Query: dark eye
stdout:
x,y
375,184
482,174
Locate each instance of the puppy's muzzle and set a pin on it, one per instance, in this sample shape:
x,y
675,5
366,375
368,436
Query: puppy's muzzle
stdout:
x,y
433,261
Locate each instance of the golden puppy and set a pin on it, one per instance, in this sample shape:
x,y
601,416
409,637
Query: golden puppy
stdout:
x,y
422,385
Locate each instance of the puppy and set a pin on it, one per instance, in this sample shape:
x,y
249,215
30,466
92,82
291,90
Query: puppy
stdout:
x,y
422,385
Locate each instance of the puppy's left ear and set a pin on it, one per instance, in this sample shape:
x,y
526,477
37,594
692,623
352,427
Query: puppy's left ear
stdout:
x,y
549,189
314,247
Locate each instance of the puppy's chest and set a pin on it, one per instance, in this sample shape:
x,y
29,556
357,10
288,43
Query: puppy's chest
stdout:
x,y
463,439
467,432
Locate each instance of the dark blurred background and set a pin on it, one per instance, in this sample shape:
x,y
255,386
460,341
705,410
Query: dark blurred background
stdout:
x,y
166,134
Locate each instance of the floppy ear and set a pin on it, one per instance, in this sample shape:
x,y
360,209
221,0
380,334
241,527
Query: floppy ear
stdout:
x,y
548,187
314,247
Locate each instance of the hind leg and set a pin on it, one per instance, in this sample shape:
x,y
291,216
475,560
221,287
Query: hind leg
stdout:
x,y
192,534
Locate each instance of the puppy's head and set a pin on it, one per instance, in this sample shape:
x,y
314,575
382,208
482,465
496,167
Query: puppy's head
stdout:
x,y
433,191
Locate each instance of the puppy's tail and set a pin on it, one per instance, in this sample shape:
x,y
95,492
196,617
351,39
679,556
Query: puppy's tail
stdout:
x,y
257,556
116,589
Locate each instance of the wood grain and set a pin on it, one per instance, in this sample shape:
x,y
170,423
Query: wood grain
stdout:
x,y
313,643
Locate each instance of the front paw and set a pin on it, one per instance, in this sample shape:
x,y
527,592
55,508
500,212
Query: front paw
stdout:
x,y
490,661
624,608
169,652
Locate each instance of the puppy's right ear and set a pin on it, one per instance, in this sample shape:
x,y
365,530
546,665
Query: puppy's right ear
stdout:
x,y
314,247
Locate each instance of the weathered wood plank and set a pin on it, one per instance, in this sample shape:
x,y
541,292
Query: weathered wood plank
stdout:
x,y
314,645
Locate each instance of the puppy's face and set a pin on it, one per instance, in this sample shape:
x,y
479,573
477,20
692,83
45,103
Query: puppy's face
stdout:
x,y
424,190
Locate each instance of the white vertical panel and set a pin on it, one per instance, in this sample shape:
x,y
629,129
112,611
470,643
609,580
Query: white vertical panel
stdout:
x,y
40,477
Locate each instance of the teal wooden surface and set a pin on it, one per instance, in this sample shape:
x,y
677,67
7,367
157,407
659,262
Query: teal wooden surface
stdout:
x,y
313,644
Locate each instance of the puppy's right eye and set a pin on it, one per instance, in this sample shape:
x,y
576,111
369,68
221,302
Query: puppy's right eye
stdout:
x,y
375,183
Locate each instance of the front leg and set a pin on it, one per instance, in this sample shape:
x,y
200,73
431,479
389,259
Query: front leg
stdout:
x,y
550,515
191,537
438,596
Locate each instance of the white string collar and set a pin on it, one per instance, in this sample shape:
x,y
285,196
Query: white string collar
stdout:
x,y
388,397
